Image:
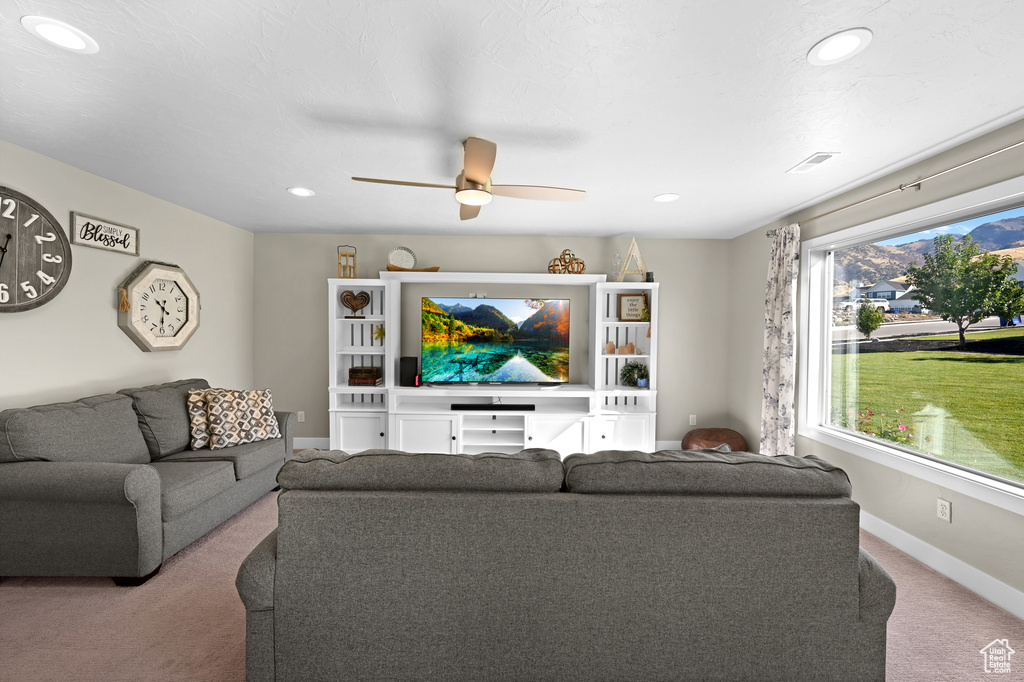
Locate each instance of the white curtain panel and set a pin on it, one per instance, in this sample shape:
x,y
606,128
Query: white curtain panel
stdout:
x,y
778,426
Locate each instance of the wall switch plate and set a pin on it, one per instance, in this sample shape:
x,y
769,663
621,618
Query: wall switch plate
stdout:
x,y
302,416
693,420
944,510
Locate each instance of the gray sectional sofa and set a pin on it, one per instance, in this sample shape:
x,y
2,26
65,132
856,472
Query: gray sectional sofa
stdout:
x,y
619,565
107,485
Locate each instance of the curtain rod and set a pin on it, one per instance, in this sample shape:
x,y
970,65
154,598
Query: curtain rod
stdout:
x,y
916,184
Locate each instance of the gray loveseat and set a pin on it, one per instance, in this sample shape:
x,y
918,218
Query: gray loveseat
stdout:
x,y
613,566
107,485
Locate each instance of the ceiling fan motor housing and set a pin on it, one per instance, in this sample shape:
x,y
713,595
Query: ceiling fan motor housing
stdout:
x,y
472,193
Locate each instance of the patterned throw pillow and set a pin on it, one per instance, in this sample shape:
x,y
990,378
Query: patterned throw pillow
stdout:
x,y
236,417
197,416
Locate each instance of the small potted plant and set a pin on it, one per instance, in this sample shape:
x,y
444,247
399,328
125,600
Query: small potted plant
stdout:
x,y
634,374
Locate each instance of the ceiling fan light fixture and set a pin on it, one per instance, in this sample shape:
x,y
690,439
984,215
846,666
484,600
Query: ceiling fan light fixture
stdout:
x,y
839,47
60,34
473,197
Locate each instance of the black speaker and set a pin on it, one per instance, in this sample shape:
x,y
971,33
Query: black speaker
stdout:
x,y
408,372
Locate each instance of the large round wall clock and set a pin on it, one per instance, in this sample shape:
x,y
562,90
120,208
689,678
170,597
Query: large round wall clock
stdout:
x,y
159,307
35,256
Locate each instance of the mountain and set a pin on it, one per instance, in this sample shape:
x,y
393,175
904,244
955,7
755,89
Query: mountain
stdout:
x,y
453,310
871,263
550,322
483,315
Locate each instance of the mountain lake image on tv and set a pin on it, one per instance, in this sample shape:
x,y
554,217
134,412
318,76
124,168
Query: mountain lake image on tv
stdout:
x,y
506,340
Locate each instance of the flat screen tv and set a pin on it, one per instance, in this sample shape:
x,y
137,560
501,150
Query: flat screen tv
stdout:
x,y
495,340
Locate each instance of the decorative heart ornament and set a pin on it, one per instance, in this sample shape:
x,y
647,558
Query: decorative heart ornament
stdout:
x,y
355,302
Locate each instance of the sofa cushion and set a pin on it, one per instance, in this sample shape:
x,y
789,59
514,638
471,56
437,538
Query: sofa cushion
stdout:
x,y
535,470
163,414
237,417
101,428
247,459
703,472
186,485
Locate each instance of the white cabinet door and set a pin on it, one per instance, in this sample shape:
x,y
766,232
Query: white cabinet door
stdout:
x,y
426,433
561,433
358,432
621,432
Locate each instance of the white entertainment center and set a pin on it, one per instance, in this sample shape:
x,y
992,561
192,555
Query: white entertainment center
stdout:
x,y
594,413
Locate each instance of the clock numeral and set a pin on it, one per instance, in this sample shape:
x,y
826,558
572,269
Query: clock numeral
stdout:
x,y
8,212
162,331
163,286
181,310
145,297
152,287
30,291
31,220
44,278
47,258
50,237
153,327
145,318
5,295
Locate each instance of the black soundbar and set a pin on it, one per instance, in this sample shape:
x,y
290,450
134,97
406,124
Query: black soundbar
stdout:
x,y
495,407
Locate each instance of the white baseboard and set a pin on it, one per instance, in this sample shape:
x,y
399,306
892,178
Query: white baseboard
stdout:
x,y
318,443
979,582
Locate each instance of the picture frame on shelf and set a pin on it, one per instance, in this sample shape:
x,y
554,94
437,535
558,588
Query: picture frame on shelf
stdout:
x,y
631,307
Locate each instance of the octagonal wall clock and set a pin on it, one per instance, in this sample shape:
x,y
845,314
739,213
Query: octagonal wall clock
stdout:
x,y
159,307
35,256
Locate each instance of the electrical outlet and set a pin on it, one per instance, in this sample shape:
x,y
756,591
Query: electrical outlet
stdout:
x,y
944,510
302,416
693,420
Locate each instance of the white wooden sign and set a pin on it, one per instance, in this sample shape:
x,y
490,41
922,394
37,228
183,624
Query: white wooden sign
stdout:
x,y
88,230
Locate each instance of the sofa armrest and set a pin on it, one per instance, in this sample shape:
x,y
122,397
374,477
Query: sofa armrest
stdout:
x,y
255,580
286,422
80,518
877,590
79,482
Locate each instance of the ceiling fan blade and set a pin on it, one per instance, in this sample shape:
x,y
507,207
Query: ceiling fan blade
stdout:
x,y
467,212
479,159
403,182
538,192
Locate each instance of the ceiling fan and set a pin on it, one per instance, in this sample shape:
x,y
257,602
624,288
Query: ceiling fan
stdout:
x,y
473,186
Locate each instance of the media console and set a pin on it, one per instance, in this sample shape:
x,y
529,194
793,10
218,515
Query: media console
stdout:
x,y
580,417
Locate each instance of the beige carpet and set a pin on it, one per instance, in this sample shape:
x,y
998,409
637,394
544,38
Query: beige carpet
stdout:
x,y
187,624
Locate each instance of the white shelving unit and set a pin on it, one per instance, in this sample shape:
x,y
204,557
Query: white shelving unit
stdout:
x,y
353,342
600,414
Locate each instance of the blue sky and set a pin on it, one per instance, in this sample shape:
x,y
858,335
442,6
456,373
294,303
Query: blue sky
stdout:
x,y
513,308
962,227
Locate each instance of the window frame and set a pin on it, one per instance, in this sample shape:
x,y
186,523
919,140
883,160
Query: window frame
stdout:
x,y
814,356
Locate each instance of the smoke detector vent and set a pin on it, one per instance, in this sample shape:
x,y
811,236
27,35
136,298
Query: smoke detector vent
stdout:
x,y
812,162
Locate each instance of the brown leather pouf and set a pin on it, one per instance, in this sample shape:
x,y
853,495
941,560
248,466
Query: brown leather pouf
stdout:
x,y
712,438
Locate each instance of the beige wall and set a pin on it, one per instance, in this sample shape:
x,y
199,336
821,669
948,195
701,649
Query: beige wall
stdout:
x,y
72,347
291,310
981,535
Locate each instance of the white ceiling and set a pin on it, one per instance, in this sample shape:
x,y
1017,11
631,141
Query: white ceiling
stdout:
x,y
219,105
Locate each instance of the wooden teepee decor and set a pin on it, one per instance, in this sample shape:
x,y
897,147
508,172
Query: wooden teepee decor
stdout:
x,y
633,255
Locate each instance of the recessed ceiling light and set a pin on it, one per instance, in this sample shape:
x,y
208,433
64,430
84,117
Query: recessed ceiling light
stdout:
x,y
668,196
301,191
839,47
60,34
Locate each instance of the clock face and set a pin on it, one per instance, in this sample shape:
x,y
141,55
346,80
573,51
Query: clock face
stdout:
x,y
35,256
163,310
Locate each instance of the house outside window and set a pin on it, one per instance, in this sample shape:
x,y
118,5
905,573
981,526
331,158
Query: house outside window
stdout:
x,y
910,396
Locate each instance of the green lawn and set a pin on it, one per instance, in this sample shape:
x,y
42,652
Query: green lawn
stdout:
x,y
982,394
1007,333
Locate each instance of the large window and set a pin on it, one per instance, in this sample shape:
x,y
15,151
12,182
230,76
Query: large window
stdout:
x,y
900,381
